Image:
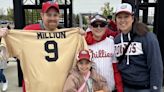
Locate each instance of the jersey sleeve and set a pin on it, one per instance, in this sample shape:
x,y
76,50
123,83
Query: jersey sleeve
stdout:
x,y
117,75
12,44
81,44
82,41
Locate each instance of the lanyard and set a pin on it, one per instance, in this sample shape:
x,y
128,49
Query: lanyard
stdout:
x,y
83,85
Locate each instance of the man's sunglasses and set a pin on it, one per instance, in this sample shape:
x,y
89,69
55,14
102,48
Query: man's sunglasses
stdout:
x,y
95,25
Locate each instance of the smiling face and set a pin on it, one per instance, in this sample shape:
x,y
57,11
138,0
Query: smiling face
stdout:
x,y
98,30
84,66
124,21
50,19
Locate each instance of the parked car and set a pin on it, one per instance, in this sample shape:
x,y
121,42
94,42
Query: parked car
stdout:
x,y
3,22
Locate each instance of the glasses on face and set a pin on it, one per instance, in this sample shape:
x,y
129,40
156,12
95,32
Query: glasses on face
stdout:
x,y
95,25
51,14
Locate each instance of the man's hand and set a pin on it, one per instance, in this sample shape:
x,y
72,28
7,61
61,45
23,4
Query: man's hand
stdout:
x,y
3,32
82,32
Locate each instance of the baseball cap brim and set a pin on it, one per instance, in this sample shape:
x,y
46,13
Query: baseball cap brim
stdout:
x,y
84,57
130,13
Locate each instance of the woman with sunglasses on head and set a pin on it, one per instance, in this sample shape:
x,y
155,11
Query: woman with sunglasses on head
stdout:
x,y
138,52
83,77
102,48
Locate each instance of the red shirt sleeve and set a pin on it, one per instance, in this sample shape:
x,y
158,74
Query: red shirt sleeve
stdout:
x,y
32,27
117,78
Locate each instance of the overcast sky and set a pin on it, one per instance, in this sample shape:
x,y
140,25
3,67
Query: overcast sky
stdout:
x,y
79,6
91,6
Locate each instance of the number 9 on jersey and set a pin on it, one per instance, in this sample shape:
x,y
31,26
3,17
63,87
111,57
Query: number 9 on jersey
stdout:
x,y
53,50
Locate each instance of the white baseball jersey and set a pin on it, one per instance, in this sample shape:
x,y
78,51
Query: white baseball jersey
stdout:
x,y
103,56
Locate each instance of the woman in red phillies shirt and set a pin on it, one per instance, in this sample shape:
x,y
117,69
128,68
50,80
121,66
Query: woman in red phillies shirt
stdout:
x,y
102,48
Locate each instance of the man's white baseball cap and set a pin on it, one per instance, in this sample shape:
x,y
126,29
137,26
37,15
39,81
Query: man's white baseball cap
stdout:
x,y
98,17
124,7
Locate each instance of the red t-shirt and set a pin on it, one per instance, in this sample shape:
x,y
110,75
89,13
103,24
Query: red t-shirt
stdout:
x,y
33,27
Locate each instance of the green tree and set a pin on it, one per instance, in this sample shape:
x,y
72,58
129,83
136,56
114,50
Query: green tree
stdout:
x,y
77,19
10,15
32,16
107,9
2,15
84,20
74,19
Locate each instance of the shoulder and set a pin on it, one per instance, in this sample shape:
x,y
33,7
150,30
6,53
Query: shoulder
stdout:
x,y
150,36
74,74
32,27
109,40
71,77
117,38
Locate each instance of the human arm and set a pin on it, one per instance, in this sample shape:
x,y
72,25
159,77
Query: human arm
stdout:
x,y
3,32
117,78
154,62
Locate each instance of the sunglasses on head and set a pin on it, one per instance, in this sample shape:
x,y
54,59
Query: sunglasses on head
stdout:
x,y
98,25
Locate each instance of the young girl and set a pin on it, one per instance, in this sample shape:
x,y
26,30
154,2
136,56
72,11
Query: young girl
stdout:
x,y
83,77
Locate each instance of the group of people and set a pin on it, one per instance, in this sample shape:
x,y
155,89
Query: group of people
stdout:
x,y
128,61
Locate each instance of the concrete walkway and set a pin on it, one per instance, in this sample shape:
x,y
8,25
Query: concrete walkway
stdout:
x,y
12,77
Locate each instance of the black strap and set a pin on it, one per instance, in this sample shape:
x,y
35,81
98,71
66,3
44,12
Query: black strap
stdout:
x,y
125,50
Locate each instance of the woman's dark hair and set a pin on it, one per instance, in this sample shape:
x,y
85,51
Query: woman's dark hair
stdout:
x,y
139,28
